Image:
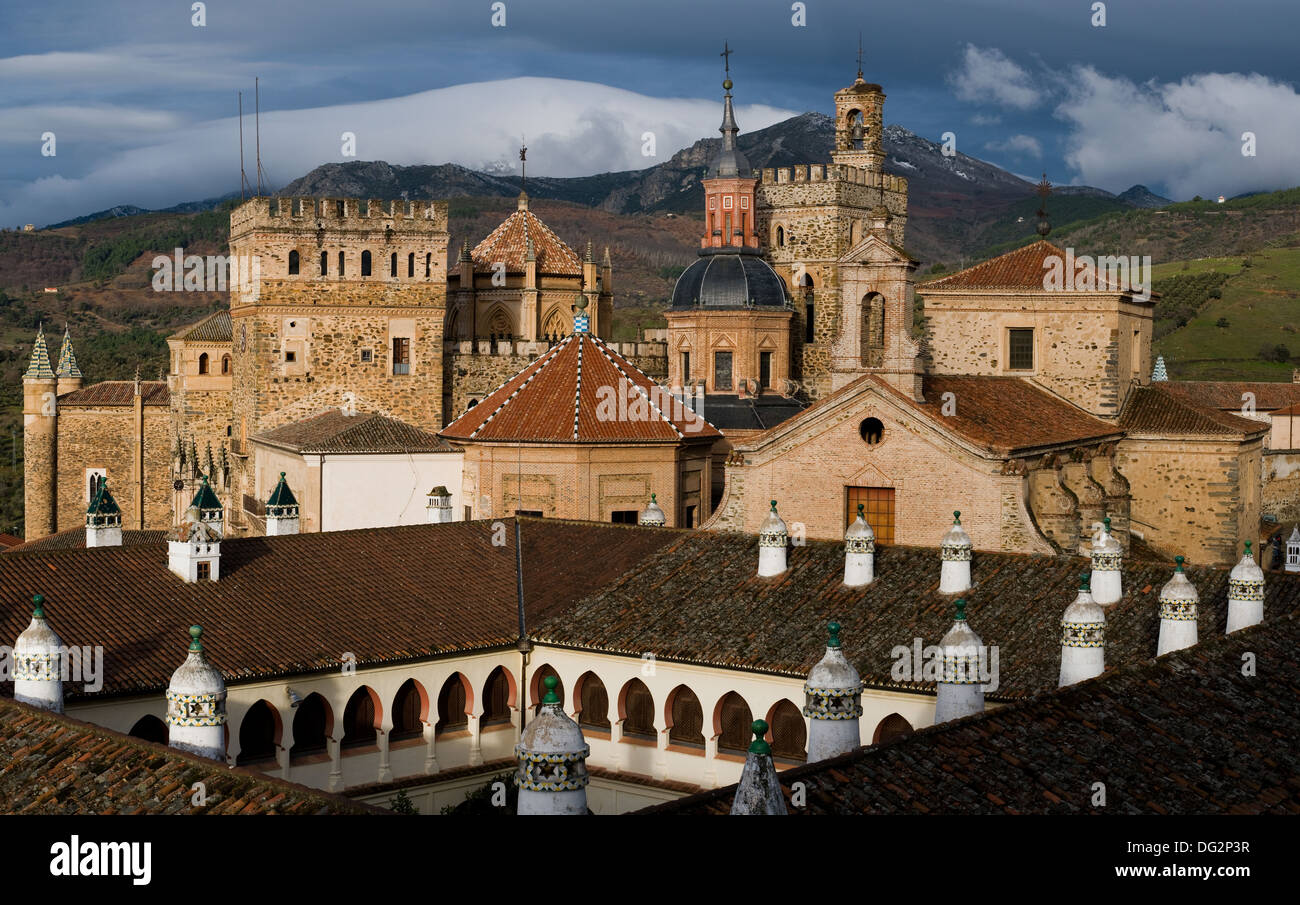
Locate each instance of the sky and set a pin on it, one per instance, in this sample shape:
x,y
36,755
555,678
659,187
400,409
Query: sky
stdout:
x,y
141,100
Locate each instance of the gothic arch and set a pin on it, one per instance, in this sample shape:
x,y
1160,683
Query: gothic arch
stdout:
x,y
453,323
554,323
890,728
873,330
788,732
362,717
537,690
498,321
732,720
313,725
498,697
592,702
455,700
151,729
259,734
636,710
684,717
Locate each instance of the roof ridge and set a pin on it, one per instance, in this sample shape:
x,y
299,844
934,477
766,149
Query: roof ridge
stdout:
x,y
640,389
577,387
540,364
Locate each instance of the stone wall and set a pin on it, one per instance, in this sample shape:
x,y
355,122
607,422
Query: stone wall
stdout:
x,y
1281,492
112,438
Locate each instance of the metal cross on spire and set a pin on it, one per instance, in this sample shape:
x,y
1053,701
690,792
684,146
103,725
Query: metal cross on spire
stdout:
x,y
726,58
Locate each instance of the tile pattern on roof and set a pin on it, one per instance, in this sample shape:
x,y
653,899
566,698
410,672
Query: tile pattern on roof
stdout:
x,y
291,604
215,328
335,431
53,764
1016,603
119,392
508,244
1155,410
1230,395
1184,734
558,398
1020,269
68,358
75,539
39,366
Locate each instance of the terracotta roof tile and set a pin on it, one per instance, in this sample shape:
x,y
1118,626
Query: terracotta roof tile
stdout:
x,y
53,764
215,328
1156,410
118,392
75,539
508,244
336,432
560,399
1228,395
1184,734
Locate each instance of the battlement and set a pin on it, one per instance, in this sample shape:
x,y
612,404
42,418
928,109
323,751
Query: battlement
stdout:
x,y
831,172
362,214
532,349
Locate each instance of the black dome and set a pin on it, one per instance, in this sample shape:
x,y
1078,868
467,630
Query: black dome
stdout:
x,y
729,278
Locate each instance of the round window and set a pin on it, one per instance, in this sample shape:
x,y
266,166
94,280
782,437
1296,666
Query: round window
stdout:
x,y
872,430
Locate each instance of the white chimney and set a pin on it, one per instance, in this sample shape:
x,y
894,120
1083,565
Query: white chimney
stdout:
x,y
772,541
1106,583
1245,593
103,519
282,510
833,702
552,759
1083,649
960,692
196,704
38,657
1178,600
859,552
955,554
438,509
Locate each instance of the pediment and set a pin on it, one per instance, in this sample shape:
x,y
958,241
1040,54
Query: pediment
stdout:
x,y
724,341
875,250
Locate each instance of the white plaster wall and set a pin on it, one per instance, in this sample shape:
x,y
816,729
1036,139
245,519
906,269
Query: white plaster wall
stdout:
x,y
378,491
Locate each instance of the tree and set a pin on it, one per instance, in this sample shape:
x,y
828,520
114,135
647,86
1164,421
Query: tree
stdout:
x,y
1221,322
401,804
1281,353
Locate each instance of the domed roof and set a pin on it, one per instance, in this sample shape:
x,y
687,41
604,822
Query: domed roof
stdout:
x,y
961,640
196,675
1179,587
834,670
773,523
1247,569
956,535
729,278
38,637
551,731
1104,542
1084,608
859,529
652,515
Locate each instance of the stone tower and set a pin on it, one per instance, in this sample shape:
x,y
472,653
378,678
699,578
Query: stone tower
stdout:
x,y
811,217
334,303
40,442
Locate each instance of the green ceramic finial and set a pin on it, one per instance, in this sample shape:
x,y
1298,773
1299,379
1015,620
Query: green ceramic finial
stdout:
x,y
205,480
1248,553
860,515
956,516
38,606
774,505
196,632
652,497
1085,582
834,629
759,745
550,697
1106,522
1180,561
961,610
282,476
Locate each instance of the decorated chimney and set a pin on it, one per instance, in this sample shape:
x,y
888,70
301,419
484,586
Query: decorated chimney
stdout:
x,y
1083,646
196,704
194,551
439,505
103,518
1107,558
1178,599
758,791
960,692
68,374
772,541
552,757
1293,550
955,553
282,510
859,552
38,662
652,516
1245,593
1160,373
833,702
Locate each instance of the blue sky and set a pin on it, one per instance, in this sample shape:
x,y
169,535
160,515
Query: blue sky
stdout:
x,y
140,100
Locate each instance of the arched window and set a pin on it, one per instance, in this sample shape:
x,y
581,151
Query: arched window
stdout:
x,y
539,689
225,364
555,324
453,704
293,263
410,264
392,270
780,237
873,330
203,363
408,712
788,732
872,431
593,703
890,728
637,710
151,729
732,724
687,719
341,270
365,263
311,725
360,719
257,735
496,698
324,263
499,323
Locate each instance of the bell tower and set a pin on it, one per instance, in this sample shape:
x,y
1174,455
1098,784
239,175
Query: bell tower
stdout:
x,y
859,120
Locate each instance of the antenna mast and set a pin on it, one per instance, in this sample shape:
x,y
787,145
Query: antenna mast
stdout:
x,y
257,100
243,177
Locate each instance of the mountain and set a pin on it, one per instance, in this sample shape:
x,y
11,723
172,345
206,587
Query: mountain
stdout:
x,y
130,210
1141,196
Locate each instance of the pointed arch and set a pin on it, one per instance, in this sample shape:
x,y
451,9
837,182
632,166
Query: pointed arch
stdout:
x,y
554,323
499,322
313,724
259,734
873,330
636,709
455,699
151,729
685,718
890,728
732,720
362,718
410,711
788,733
592,702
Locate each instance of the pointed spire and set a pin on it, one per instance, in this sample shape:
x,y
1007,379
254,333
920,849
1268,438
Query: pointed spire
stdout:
x,y
1178,606
39,366
1159,373
464,252
730,161
67,358
605,262
103,518
758,791
552,760
1083,652
1245,593
832,702
196,704
589,257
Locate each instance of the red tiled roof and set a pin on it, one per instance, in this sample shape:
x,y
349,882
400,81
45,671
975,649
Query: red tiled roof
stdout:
x,y
1182,734
1020,269
365,432
1228,395
293,604
508,244
54,764
118,392
9,541
1154,409
567,395
75,539
215,328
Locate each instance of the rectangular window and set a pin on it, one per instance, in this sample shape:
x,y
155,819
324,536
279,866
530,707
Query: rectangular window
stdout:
x,y
623,517
744,202
722,370
726,202
690,517
535,513
878,509
205,571
808,323
367,356
469,513
713,203
290,356
401,355
1020,349
686,368
765,369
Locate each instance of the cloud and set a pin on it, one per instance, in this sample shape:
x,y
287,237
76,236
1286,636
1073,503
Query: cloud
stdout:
x,y
1019,145
987,76
572,128
1185,135
982,119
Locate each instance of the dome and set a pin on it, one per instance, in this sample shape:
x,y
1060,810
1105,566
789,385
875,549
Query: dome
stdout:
x,y
1084,609
196,675
38,638
551,731
773,528
1247,570
834,672
961,641
729,278
956,539
1104,542
1178,588
652,515
859,531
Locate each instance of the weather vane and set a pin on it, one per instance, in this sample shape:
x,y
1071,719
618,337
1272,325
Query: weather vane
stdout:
x,y
523,163
1043,189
